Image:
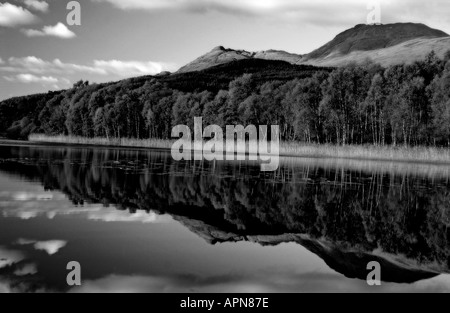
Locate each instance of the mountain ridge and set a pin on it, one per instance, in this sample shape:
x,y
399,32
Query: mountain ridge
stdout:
x,y
221,55
386,44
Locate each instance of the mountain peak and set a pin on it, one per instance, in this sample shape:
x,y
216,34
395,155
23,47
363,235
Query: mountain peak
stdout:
x,y
220,55
218,48
364,37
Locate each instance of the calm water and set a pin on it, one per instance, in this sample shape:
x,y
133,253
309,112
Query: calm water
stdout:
x,y
138,221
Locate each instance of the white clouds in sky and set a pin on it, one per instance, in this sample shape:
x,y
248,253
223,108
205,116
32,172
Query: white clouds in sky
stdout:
x,y
59,30
251,7
36,5
120,69
30,78
13,16
323,13
130,68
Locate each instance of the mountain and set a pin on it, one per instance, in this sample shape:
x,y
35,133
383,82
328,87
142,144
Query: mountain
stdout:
x,y
218,77
403,53
387,45
374,37
221,55
384,44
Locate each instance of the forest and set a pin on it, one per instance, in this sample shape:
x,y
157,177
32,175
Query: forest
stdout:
x,y
358,104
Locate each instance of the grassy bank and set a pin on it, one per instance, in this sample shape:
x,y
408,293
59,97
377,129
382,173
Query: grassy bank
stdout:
x,y
295,149
119,142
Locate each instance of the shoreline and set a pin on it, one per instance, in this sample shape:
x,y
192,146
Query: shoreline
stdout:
x,y
419,155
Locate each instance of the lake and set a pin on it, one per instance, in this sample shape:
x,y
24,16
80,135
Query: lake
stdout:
x,y
137,221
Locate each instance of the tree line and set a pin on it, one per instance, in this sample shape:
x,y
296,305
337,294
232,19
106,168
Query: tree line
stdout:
x,y
358,104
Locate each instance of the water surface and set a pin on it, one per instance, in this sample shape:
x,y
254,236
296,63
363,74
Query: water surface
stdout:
x,y
139,221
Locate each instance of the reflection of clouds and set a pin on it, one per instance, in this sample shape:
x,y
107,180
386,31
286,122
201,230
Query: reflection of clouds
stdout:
x,y
4,288
28,196
27,269
10,257
109,215
50,246
26,205
25,242
149,284
265,282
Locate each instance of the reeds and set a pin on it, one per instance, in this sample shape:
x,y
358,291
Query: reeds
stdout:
x,y
295,149
99,141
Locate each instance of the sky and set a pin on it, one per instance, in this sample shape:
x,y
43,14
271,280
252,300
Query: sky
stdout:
x,y
40,51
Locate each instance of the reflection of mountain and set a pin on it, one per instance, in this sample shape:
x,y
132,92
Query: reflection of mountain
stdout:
x,y
348,218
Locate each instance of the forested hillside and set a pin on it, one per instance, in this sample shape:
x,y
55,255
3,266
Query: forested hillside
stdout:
x,y
357,104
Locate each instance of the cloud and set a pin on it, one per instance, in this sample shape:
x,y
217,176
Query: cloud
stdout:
x,y
30,78
323,13
1,61
36,5
12,15
122,69
59,30
51,247
130,68
38,66
253,7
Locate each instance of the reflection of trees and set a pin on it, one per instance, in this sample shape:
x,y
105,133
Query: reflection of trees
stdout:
x,y
405,215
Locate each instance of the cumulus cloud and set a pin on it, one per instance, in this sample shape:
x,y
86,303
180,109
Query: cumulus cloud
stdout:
x,y
130,68
123,69
59,30
36,5
38,66
13,16
30,78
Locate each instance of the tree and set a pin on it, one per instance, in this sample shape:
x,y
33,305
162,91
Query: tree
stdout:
x,y
239,90
376,110
440,105
211,112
